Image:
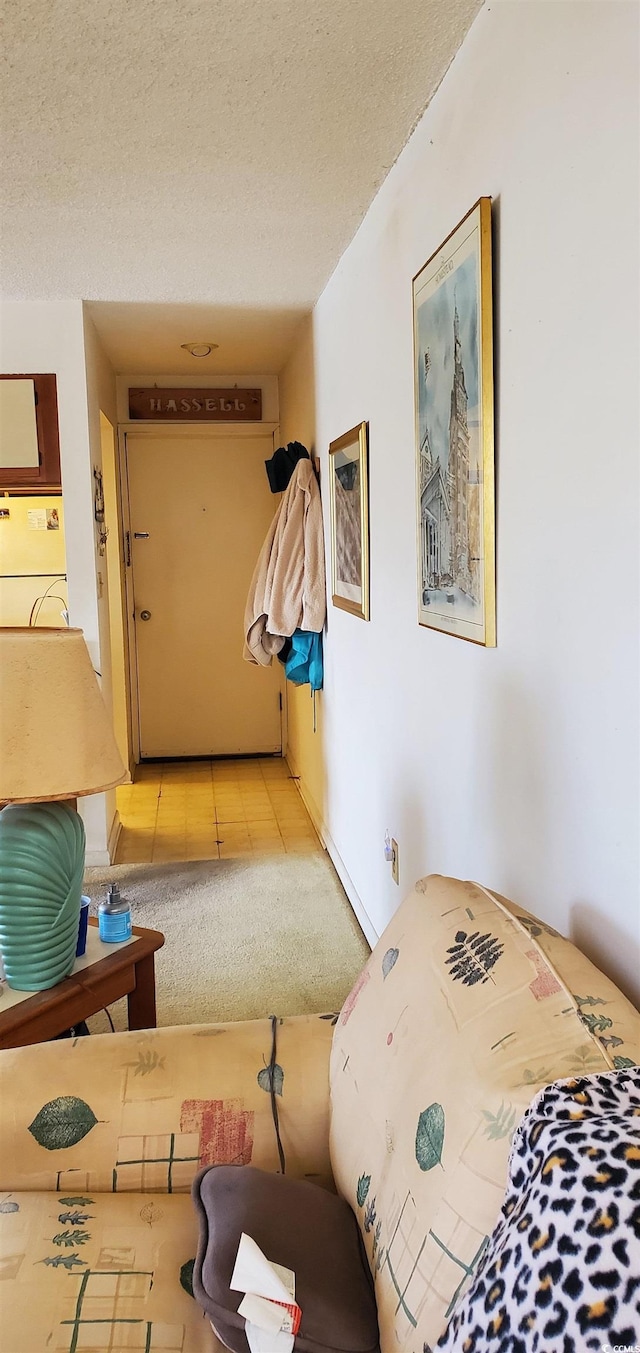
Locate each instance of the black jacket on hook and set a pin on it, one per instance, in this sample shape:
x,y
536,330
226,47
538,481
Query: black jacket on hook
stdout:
x,y
283,463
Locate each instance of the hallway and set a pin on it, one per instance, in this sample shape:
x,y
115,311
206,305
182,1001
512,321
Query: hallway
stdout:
x,y
212,810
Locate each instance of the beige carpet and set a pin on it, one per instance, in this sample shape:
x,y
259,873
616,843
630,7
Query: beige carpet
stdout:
x,y
244,938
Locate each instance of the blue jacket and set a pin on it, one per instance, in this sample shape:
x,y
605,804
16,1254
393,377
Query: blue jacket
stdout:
x,y
304,664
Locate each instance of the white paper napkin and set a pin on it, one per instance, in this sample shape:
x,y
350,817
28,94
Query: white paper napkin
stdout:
x,y
268,1306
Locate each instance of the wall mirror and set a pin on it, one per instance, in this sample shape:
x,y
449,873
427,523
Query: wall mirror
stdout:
x,y
29,441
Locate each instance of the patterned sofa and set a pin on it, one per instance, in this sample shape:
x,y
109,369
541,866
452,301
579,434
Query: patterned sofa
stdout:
x,y
406,1100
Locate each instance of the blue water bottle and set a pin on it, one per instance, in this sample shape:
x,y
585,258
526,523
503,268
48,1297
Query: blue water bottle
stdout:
x,y
114,917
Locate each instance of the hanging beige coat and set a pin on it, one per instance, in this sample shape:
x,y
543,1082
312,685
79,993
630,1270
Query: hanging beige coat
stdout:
x,y
288,586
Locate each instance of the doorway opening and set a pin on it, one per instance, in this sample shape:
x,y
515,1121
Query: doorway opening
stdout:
x,y
33,569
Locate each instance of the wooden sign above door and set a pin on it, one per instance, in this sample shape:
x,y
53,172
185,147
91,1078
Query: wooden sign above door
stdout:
x,y
196,406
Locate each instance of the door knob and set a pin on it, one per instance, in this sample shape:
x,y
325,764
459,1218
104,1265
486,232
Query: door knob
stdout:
x,y
145,615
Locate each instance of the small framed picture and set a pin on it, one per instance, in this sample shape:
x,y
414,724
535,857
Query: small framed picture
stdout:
x,y
453,379
348,463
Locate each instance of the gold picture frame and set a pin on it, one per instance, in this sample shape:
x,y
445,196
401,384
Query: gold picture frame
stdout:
x,y
454,431
349,497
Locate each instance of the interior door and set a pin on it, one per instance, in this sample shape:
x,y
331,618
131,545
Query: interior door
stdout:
x,y
200,507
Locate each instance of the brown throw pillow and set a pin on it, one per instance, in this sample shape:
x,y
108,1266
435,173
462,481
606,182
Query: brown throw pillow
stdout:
x,y
298,1225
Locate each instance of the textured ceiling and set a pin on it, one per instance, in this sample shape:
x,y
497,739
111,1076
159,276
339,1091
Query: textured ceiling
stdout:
x,y
212,151
195,168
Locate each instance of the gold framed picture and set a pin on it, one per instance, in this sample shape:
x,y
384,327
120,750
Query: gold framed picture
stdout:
x,y
349,494
453,383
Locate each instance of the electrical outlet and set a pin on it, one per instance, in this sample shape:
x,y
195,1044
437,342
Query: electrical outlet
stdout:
x,y
395,863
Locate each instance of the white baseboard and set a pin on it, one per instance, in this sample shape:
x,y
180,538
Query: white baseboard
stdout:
x,y
309,803
114,837
96,859
364,921
369,931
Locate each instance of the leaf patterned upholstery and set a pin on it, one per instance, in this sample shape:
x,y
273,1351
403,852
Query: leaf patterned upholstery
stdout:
x,y
466,1006
99,1141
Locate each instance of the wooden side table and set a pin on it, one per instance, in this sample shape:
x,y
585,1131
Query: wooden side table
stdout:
x,y
104,974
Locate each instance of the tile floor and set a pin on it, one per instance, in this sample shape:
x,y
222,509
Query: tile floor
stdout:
x,y
209,810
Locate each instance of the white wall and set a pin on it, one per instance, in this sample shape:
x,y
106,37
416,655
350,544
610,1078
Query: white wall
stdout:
x,y
517,766
48,336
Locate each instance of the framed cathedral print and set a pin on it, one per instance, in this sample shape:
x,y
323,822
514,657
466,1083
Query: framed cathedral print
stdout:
x,y
453,383
349,493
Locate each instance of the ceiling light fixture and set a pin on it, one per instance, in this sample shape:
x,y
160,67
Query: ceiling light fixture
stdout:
x,y
200,349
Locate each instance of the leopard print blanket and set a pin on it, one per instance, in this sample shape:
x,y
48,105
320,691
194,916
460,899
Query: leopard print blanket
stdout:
x,y
561,1273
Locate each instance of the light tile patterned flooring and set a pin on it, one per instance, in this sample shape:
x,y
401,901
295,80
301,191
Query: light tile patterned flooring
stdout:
x,y
209,810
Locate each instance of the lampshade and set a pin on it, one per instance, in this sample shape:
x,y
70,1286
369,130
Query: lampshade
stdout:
x,y
56,739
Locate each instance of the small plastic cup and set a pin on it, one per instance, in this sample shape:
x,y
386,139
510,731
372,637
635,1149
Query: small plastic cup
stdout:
x,y
81,947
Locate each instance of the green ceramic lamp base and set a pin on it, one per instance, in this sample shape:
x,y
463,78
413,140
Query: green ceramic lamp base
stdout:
x,y
42,849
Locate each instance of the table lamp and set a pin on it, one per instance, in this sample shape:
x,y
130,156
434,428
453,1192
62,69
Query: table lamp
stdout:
x,y
56,743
